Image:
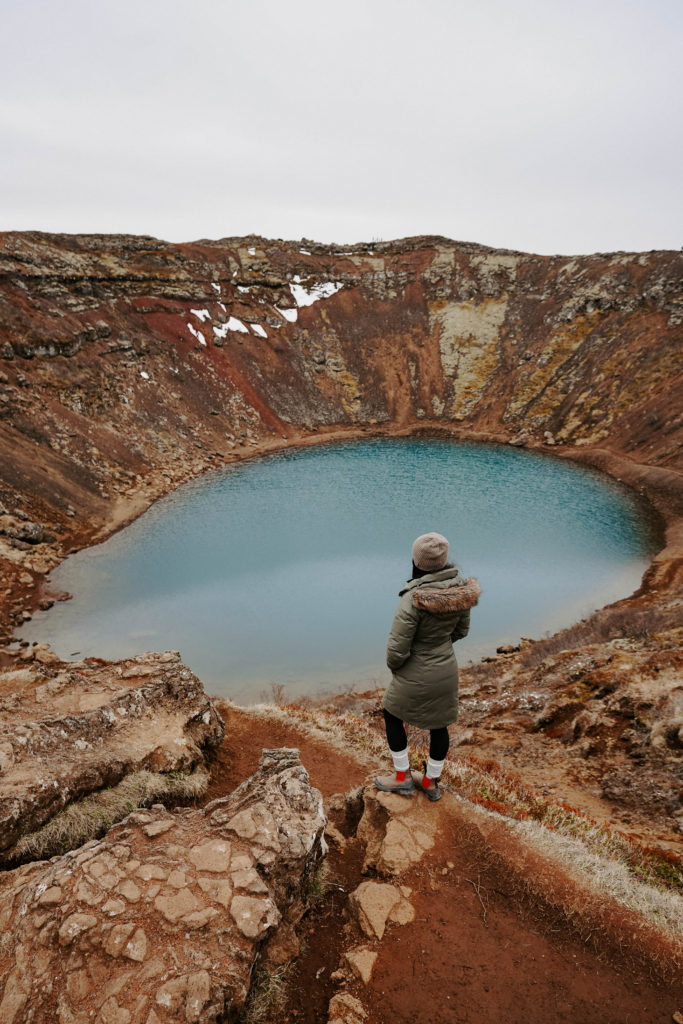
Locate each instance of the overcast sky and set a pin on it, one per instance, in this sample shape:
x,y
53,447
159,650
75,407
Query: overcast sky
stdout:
x,y
541,125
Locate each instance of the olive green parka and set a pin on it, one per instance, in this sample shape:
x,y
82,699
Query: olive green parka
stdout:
x,y
433,612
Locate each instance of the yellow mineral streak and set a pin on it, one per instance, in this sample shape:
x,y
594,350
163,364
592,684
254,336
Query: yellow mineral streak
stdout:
x,y
337,371
561,344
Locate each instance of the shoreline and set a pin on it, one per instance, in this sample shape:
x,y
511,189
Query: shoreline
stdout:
x,y
660,491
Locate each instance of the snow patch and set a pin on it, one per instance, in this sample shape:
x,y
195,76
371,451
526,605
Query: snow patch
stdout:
x,y
307,296
144,374
257,329
252,252
197,334
236,325
288,314
243,288
201,314
304,252
216,287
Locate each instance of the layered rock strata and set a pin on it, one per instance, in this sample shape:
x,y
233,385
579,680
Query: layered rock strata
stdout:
x,y
164,918
67,730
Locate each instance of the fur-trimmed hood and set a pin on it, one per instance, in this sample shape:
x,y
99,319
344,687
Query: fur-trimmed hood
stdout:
x,y
446,600
443,592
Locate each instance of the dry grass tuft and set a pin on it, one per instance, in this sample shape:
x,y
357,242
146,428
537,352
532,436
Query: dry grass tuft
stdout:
x,y
608,877
267,995
318,885
95,814
608,624
484,783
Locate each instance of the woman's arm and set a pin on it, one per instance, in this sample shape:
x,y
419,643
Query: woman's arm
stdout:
x,y
462,627
402,632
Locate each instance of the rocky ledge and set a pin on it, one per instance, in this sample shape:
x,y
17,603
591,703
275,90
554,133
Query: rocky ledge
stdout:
x,y
404,841
71,729
162,920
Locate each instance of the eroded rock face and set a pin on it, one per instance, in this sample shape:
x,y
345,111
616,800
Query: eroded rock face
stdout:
x,y
162,919
68,729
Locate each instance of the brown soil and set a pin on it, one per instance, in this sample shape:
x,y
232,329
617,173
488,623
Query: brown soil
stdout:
x,y
247,733
473,954
309,981
478,951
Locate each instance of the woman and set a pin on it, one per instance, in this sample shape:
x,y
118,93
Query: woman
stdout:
x,y
434,612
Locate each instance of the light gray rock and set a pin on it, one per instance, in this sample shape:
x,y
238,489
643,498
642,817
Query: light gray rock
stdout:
x,y
157,925
374,903
346,1009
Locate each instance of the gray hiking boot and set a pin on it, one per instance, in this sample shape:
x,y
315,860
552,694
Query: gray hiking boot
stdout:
x,y
390,784
432,791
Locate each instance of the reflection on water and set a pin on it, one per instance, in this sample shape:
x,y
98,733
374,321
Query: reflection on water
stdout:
x,y
286,569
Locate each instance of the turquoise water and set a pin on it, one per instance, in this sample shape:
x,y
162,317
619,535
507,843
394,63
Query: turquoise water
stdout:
x,y
286,569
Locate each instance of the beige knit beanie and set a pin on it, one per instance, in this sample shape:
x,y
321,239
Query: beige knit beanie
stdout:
x,y
430,552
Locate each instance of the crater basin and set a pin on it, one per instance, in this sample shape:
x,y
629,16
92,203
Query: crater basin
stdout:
x,y
285,570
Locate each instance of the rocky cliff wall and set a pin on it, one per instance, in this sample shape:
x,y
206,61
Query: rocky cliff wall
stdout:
x,y
128,364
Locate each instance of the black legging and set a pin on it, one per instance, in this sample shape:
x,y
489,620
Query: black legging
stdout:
x,y
439,741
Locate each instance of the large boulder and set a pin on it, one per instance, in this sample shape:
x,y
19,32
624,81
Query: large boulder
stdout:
x,y
396,830
163,919
70,729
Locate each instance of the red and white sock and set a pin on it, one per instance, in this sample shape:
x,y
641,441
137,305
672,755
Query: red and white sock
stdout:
x,y
434,769
401,763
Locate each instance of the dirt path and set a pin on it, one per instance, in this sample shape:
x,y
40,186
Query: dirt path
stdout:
x,y
476,953
247,733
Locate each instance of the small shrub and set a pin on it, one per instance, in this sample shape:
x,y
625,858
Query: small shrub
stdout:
x,y
609,624
275,694
318,885
266,994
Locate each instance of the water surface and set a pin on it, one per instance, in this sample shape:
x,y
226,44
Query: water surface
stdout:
x,y
286,569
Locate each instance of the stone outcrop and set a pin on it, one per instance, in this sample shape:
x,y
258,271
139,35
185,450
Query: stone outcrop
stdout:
x,y
396,831
163,919
70,729
606,718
